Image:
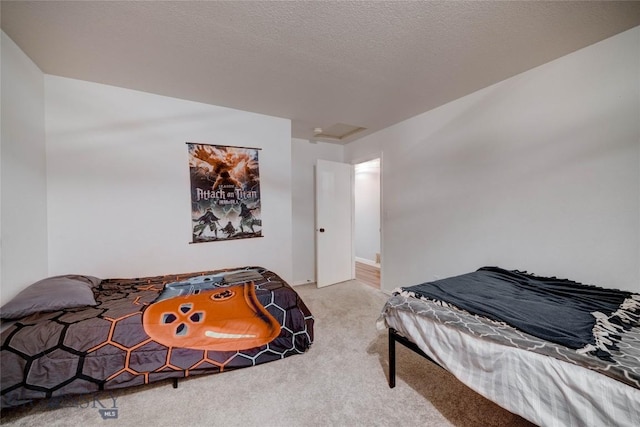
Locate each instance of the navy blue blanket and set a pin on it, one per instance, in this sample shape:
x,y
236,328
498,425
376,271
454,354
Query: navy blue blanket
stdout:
x,y
556,310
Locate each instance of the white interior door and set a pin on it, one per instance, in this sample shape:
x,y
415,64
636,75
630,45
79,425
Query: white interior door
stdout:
x,y
334,223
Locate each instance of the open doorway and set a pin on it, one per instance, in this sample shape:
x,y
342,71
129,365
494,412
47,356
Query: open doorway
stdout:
x,y
367,222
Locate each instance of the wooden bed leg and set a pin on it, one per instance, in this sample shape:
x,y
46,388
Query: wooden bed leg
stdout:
x,y
175,383
392,359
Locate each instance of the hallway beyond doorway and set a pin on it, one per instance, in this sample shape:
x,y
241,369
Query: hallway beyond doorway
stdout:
x,y
368,274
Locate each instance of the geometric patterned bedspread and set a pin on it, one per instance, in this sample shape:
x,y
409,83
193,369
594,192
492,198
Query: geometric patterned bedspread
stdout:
x,y
84,350
624,368
546,383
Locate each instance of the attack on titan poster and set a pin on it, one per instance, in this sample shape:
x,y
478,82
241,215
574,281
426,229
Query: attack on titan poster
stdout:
x,y
225,192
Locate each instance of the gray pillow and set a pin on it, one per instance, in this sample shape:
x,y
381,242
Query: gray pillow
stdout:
x,y
51,294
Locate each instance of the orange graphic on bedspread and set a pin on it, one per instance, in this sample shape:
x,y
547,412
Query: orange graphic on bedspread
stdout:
x,y
221,319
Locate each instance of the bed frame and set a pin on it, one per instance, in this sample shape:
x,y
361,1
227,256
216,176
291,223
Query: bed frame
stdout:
x,y
578,389
394,337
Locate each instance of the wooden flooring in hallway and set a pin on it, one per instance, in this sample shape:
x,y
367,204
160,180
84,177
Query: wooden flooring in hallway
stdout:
x,y
368,274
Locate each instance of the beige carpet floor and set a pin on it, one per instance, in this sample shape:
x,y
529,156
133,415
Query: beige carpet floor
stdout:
x,y
340,381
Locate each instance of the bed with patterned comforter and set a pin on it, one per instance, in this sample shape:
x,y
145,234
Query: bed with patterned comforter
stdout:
x,y
140,331
546,382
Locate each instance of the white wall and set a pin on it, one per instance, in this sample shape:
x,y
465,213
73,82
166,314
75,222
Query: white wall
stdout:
x,y
304,157
539,172
118,182
23,172
367,210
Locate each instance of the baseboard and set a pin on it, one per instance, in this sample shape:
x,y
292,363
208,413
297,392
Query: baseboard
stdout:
x,y
303,282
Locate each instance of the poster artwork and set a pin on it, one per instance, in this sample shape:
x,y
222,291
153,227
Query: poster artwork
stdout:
x,y
225,192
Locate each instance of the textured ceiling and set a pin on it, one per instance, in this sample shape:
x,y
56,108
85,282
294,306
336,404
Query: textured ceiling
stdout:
x,y
366,64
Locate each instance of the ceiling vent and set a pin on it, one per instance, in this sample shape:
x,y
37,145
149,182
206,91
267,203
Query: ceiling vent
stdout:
x,y
337,132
